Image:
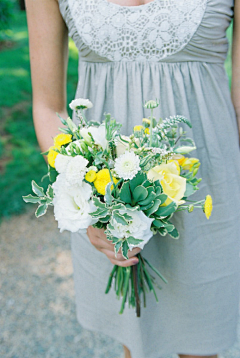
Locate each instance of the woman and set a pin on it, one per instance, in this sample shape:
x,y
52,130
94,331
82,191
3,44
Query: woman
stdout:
x,y
132,51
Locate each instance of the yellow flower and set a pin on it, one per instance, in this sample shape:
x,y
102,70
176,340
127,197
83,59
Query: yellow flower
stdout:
x,y
172,183
102,179
176,163
146,120
188,163
208,206
62,139
52,154
91,176
138,128
147,131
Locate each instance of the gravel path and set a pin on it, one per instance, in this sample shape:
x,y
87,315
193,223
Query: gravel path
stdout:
x,y
37,308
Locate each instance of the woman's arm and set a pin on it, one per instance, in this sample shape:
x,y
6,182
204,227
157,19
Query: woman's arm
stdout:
x,y
48,42
236,61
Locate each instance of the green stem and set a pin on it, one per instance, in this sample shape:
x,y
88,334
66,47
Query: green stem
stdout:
x,y
151,126
109,284
155,270
125,288
135,280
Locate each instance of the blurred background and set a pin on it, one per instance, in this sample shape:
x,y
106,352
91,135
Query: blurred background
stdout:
x,y
37,302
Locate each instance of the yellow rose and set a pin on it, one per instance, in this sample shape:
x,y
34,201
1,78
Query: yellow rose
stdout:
x,y
147,131
102,180
62,139
176,163
174,186
52,155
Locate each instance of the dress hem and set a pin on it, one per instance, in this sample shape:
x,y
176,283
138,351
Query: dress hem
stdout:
x,y
184,352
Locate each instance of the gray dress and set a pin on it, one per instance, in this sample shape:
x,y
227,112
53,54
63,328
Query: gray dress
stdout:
x,y
172,50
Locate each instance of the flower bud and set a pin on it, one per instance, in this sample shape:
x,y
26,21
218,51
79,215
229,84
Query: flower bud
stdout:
x,y
151,104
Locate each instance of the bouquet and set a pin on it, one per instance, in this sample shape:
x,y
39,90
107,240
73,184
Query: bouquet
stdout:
x,y
129,185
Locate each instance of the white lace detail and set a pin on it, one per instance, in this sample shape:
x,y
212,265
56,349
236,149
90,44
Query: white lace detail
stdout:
x,y
152,31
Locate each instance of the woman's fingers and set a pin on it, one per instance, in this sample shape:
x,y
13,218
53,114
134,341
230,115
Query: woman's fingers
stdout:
x,y
99,240
125,263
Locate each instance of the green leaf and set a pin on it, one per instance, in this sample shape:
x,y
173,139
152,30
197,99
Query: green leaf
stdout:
x,y
162,231
99,213
165,211
114,239
139,193
98,203
149,198
31,199
147,183
64,122
163,198
174,234
137,180
154,208
117,246
132,241
105,219
108,196
146,207
158,223
37,189
189,190
41,210
52,174
125,193
125,249
119,218
50,192
127,217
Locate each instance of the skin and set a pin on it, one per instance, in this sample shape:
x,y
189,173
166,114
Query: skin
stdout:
x,y
48,41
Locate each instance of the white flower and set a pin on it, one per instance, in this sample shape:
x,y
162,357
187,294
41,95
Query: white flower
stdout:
x,y
61,163
121,146
80,103
127,165
72,205
139,227
98,134
76,170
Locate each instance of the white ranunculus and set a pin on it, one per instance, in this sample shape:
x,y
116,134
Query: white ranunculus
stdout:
x,y
127,165
72,205
61,163
99,135
84,133
80,103
71,146
139,227
76,170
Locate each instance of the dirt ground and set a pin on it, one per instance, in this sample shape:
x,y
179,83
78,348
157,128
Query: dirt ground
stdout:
x,y
37,303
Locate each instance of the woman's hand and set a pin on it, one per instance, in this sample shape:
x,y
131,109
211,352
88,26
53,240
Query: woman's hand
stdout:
x,y
99,240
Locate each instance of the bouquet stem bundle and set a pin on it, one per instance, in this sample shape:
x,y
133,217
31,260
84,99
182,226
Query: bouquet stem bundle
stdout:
x,y
131,283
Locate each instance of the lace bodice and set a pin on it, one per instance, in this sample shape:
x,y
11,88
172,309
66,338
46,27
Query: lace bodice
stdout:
x,y
152,31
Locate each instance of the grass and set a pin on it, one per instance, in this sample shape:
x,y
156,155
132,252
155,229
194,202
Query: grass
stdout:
x,y
20,158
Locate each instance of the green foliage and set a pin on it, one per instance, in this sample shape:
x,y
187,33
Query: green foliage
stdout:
x,y
20,158
44,200
6,13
